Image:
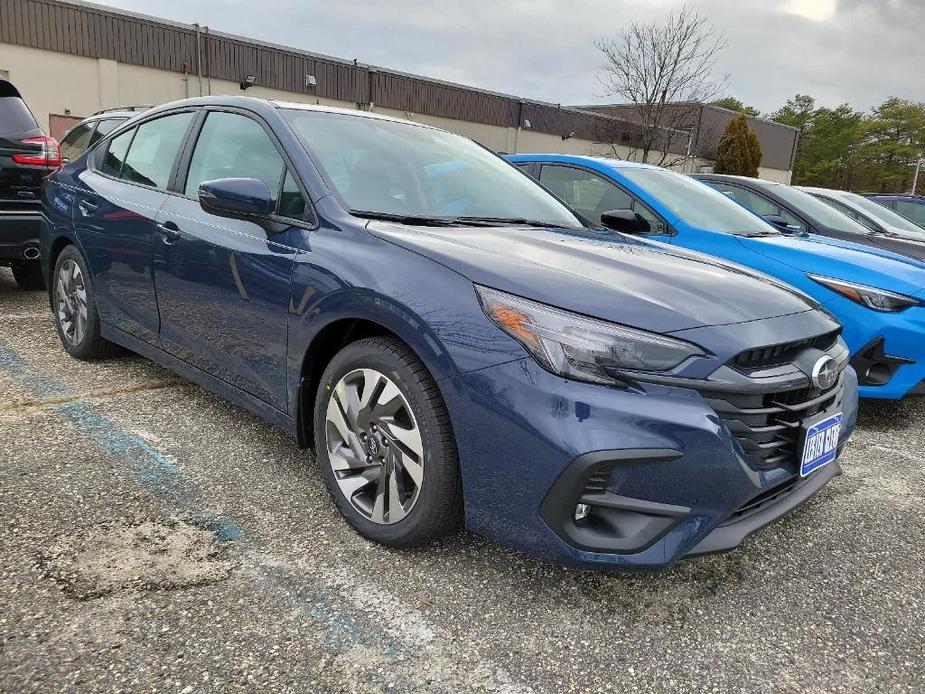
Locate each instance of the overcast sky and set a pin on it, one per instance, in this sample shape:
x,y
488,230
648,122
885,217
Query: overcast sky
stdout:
x,y
859,51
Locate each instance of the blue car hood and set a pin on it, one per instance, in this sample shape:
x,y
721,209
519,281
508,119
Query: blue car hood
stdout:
x,y
843,260
639,283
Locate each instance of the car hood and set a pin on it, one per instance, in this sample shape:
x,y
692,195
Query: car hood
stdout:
x,y
602,274
843,260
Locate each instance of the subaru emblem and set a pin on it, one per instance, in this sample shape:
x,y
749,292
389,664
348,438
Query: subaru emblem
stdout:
x,y
825,373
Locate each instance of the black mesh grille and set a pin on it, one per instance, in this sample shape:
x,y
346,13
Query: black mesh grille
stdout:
x,y
773,355
768,426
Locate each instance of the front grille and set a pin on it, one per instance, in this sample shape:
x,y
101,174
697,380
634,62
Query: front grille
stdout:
x,y
768,425
782,353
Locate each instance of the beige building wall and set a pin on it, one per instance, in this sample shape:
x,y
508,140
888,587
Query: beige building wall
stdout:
x,y
63,84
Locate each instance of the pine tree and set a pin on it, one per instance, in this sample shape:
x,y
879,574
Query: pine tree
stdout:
x,y
739,151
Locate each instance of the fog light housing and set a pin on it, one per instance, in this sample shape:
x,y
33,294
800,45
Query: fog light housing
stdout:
x,y
582,511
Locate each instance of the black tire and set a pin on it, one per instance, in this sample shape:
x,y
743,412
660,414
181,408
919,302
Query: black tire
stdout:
x,y
91,345
438,509
28,275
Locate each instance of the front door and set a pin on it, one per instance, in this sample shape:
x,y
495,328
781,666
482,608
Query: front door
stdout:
x,y
223,284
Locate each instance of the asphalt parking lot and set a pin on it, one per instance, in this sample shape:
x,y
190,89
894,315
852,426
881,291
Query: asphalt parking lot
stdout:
x,y
157,538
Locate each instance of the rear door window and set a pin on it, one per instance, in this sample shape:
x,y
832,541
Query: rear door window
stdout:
x,y
76,141
154,150
103,128
911,210
110,161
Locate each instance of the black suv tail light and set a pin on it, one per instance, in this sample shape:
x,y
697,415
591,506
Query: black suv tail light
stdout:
x,y
49,155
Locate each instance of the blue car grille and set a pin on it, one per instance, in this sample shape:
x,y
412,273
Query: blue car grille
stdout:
x,y
768,425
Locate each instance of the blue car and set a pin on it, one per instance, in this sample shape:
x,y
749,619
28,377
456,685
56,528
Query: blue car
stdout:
x,y
876,294
452,340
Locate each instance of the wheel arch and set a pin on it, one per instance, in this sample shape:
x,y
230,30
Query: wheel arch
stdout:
x,y
336,334
58,244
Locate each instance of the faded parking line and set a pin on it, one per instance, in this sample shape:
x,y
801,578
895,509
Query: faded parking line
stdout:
x,y
369,631
153,470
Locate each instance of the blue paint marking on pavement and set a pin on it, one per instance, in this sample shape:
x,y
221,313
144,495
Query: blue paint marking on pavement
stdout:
x,y
162,477
152,469
345,629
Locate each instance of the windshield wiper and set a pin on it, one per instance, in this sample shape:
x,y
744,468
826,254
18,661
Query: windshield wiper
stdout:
x,y
504,221
410,219
424,220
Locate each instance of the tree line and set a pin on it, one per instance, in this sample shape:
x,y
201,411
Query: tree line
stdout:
x,y
663,70
845,148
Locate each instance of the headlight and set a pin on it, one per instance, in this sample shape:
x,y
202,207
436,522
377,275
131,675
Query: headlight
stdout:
x,y
578,347
871,297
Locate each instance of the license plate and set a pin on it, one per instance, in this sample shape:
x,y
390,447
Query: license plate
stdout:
x,y
820,443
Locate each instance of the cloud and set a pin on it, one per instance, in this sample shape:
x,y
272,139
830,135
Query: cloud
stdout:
x,y
859,51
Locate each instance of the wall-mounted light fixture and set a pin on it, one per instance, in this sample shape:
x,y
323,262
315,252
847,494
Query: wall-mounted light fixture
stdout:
x,y
248,82
527,124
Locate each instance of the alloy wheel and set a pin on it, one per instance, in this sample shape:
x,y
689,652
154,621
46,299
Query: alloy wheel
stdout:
x,y
71,299
374,446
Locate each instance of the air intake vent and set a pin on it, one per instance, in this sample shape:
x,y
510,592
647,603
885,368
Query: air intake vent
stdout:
x,y
774,355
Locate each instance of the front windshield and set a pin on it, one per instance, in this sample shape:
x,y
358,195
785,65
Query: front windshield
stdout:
x,y
390,168
821,212
697,203
884,214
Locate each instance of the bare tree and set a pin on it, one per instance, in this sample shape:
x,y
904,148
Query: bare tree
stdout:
x,y
664,71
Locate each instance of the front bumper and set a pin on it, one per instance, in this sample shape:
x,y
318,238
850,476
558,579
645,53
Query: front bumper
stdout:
x,y
891,345
680,483
19,234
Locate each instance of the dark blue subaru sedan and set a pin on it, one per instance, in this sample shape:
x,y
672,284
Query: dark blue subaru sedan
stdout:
x,y
455,343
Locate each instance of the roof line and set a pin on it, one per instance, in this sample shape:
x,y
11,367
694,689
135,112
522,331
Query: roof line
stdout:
x,y
761,119
119,12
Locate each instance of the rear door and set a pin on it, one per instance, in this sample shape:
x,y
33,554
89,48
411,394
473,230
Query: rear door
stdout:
x,y
115,216
223,284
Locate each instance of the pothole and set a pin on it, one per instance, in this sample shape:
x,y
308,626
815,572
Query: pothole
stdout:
x,y
149,556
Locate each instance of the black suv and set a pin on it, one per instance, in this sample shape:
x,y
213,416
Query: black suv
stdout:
x,y
27,155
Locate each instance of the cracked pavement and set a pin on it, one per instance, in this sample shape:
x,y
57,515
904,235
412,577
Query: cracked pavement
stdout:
x,y
156,538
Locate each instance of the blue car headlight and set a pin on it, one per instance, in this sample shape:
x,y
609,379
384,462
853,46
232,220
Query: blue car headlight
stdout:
x,y
871,297
575,346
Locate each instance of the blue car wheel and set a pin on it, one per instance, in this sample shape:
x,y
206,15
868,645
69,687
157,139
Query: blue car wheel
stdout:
x,y
385,445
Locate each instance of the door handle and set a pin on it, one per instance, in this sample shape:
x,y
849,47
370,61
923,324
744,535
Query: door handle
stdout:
x,y
86,207
170,232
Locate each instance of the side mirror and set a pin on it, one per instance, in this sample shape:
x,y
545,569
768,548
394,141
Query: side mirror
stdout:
x,y
237,198
627,221
777,221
